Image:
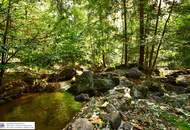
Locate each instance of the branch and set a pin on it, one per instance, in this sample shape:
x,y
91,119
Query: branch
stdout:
x,y
163,33
13,55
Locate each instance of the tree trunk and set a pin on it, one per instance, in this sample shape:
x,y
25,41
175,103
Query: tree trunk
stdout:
x,y
104,59
147,32
4,38
125,34
142,45
1,76
163,33
155,33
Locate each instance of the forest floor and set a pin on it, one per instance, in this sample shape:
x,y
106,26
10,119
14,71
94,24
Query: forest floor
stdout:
x,y
159,103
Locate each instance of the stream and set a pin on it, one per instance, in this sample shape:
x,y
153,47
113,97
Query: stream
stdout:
x,y
50,111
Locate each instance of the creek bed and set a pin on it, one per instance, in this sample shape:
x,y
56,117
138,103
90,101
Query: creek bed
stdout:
x,y
50,111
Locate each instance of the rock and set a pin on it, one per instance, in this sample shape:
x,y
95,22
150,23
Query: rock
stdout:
x,y
153,86
177,89
183,80
38,86
52,87
81,124
28,78
93,84
187,90
83,84
125,126
110,108
82,97
2,101
105,117
65,74
13,89
139,92
115,119
134,73
136,93
102,85
125,82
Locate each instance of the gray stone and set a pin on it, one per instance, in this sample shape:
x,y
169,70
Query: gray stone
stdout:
x,y
83,84
134,73
125,82
153,86
125,126
115,119
93,84
82,97
110,108
139,92
81,124
2,101
104,84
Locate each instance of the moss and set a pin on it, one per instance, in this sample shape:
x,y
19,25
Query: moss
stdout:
x,y
50,111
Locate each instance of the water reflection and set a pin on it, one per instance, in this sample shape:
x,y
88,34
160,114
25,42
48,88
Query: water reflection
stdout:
x,y
50,111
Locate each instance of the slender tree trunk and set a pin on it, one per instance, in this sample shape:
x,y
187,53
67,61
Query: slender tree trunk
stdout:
x,y
125,33
147,32
101,40
3,54
163,33
1,76
155,33
142,45
104,59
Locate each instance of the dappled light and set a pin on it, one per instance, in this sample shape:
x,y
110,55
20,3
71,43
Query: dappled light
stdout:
x,y
95,64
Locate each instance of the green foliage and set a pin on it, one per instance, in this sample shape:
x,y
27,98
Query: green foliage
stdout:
x,y
44,33
179,123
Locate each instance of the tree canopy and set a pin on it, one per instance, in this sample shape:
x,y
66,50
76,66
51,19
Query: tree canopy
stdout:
x,y
95,33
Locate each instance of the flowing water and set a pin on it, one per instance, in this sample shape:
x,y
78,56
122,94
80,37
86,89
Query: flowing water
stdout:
x,y
50,111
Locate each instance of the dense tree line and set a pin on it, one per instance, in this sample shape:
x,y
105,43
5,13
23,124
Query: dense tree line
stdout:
x,y
96,33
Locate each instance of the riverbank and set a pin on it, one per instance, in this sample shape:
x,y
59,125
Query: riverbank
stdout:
x,y
138,104
49,111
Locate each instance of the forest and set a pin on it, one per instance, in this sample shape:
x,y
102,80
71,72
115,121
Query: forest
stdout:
x,y
96,64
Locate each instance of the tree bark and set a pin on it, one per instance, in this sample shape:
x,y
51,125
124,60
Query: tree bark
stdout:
x,y
142,45
155,33
147,32
163,33
125,34
4,39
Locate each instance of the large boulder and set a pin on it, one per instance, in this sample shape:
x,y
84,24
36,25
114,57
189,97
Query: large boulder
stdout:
x,y
114,118
104,84
105,81
81,124
154,86
82,97
134,73
93,84
139,92
65,74
83,84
